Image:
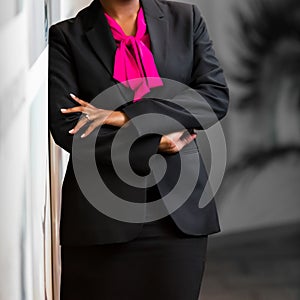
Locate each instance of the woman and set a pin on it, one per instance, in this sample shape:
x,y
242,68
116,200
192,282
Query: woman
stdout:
x,y
116,41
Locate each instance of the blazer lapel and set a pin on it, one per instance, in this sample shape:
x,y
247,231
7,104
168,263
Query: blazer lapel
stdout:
x,y
158,28
100,37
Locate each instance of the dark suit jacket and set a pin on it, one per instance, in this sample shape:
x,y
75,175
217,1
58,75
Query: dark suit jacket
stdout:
x,y
81,60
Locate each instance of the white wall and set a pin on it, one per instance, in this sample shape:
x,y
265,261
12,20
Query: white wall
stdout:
x,y
25,253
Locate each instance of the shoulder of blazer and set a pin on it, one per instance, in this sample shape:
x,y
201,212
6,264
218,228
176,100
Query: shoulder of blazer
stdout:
x,y
180,12
176,7
81,21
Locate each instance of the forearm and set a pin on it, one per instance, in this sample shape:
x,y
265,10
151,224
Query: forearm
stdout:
x,y
117,118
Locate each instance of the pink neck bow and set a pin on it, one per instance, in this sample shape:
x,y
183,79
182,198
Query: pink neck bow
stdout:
x,y
133,59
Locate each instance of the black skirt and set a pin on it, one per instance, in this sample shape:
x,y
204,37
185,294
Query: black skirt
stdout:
x,y
162,263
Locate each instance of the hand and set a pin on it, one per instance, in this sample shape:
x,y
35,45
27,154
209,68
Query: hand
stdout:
x,y
174,142
95,116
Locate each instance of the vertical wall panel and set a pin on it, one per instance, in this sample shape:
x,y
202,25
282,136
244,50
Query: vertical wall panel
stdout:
x,y
25,259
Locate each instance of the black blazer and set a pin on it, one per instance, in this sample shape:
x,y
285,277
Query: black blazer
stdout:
x,y
81,60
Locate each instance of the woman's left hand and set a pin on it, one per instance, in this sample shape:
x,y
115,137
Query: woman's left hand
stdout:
x,y
95,116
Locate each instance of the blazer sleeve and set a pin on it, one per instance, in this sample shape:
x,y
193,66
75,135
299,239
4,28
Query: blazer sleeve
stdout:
x,y
205,100
61,82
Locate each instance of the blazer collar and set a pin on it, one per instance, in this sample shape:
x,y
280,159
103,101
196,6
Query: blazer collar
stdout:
x,y
100,37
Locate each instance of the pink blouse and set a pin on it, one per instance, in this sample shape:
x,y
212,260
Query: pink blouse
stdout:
x,y
133,59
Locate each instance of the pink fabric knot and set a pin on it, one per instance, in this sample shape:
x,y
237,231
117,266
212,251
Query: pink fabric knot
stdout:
x,y
134,63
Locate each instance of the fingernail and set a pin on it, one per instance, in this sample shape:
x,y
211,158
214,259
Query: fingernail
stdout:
x,y
63,110
83,135
71,131
72,95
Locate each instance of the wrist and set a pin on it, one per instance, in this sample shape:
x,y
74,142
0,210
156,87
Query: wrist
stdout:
x,y
117,118
162,143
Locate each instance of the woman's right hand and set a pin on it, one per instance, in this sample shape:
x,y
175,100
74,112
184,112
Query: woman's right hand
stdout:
x,y
175,141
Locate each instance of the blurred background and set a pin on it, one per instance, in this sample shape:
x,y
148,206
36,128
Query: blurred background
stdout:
x,y
257,254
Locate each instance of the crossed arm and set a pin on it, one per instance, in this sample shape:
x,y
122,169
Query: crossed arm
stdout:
x,y
207,108
169,143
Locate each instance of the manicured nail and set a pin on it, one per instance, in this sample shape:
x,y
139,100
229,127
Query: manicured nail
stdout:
x,y
72,95
71,131
63,110
83,135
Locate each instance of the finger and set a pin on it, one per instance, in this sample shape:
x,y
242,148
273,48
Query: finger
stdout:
x,y
80,101
80,124
179,136
191,137
172,143
176,135
82,109
92,114
186,134
89,130
185,141
177,142
188,139
175,146
72,110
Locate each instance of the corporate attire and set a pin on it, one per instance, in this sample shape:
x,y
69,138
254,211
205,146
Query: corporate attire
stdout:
x,y
107,258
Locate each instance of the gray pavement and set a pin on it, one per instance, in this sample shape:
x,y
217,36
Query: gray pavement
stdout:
x,y
258,265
